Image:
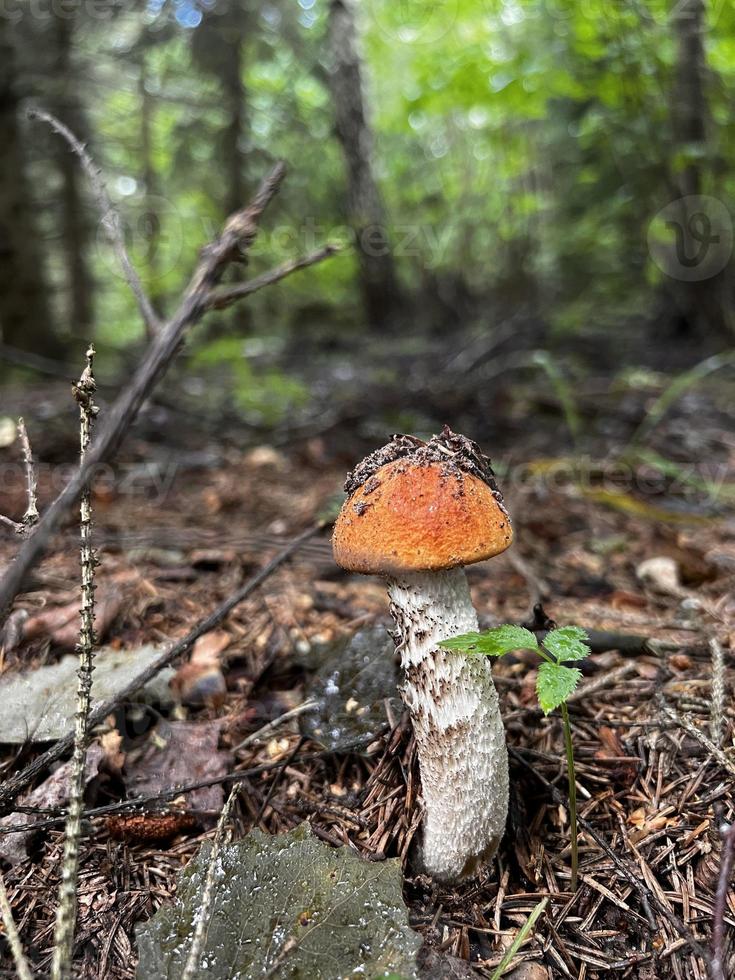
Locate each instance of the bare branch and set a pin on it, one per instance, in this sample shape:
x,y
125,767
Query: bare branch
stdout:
x,y
66,914
236,236
10,789
110,218
11,934
30,518
221,298
13,525
717,705
683,721
205,908
723,885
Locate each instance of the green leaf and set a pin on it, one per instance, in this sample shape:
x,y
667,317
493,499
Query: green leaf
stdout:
x,y
567,643
503,639
494,643
466,642
554,685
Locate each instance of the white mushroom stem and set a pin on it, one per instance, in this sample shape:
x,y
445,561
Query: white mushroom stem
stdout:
x,y
456,720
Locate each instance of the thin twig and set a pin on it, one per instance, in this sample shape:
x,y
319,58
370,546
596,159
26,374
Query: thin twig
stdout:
x,y
236,237
66,915
11,934
13,525
572,783
633,879
110,218
272,725
718,922
222,298
204,914
717,707
30,518
109,809
691,729
16,784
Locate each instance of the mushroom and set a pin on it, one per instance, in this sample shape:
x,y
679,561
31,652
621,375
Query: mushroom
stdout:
x,y
416,513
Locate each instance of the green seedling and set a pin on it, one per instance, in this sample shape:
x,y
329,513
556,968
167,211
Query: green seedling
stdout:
x,y
556,682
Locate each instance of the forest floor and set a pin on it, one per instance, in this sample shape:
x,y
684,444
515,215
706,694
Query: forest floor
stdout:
x,y
179,532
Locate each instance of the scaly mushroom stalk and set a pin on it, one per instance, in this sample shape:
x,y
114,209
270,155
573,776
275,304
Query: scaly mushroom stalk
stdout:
x,y
456,722
416,513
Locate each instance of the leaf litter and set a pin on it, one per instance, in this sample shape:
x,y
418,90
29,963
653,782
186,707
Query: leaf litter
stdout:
x,y
652,794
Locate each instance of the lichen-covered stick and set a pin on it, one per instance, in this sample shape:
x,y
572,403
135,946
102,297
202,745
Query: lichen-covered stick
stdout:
x,y
416,513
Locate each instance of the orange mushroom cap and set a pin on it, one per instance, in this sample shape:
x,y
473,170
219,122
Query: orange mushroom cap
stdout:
x,y
425,510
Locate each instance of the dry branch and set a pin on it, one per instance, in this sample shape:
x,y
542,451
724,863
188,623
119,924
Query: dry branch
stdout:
x,y
11,934
225,297
110,218
205,908
723,884
155,800
717,707
66,916
30,518
233,242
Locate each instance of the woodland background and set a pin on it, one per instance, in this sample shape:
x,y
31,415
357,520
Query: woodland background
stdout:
x,y
496,173
533,202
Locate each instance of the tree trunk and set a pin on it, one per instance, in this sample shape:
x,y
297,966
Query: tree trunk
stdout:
x,y
218,46
25,318
690,103
75,220
365,211
233,134
702,297
150,187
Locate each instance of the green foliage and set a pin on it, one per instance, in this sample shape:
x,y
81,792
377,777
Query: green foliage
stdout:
x,y
555,681
264,396
494,643
554,685
567,643
523,150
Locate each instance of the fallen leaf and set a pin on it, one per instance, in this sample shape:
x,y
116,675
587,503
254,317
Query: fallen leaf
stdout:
x,y
40,704
8,431
11,634
621,767
111,743
53,792
181,752
435,965
61,624
285,906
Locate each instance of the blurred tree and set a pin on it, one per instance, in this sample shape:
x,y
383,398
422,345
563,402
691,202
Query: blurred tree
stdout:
x,y
25,316
365,211
76,228
217,50
150,179
703,304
